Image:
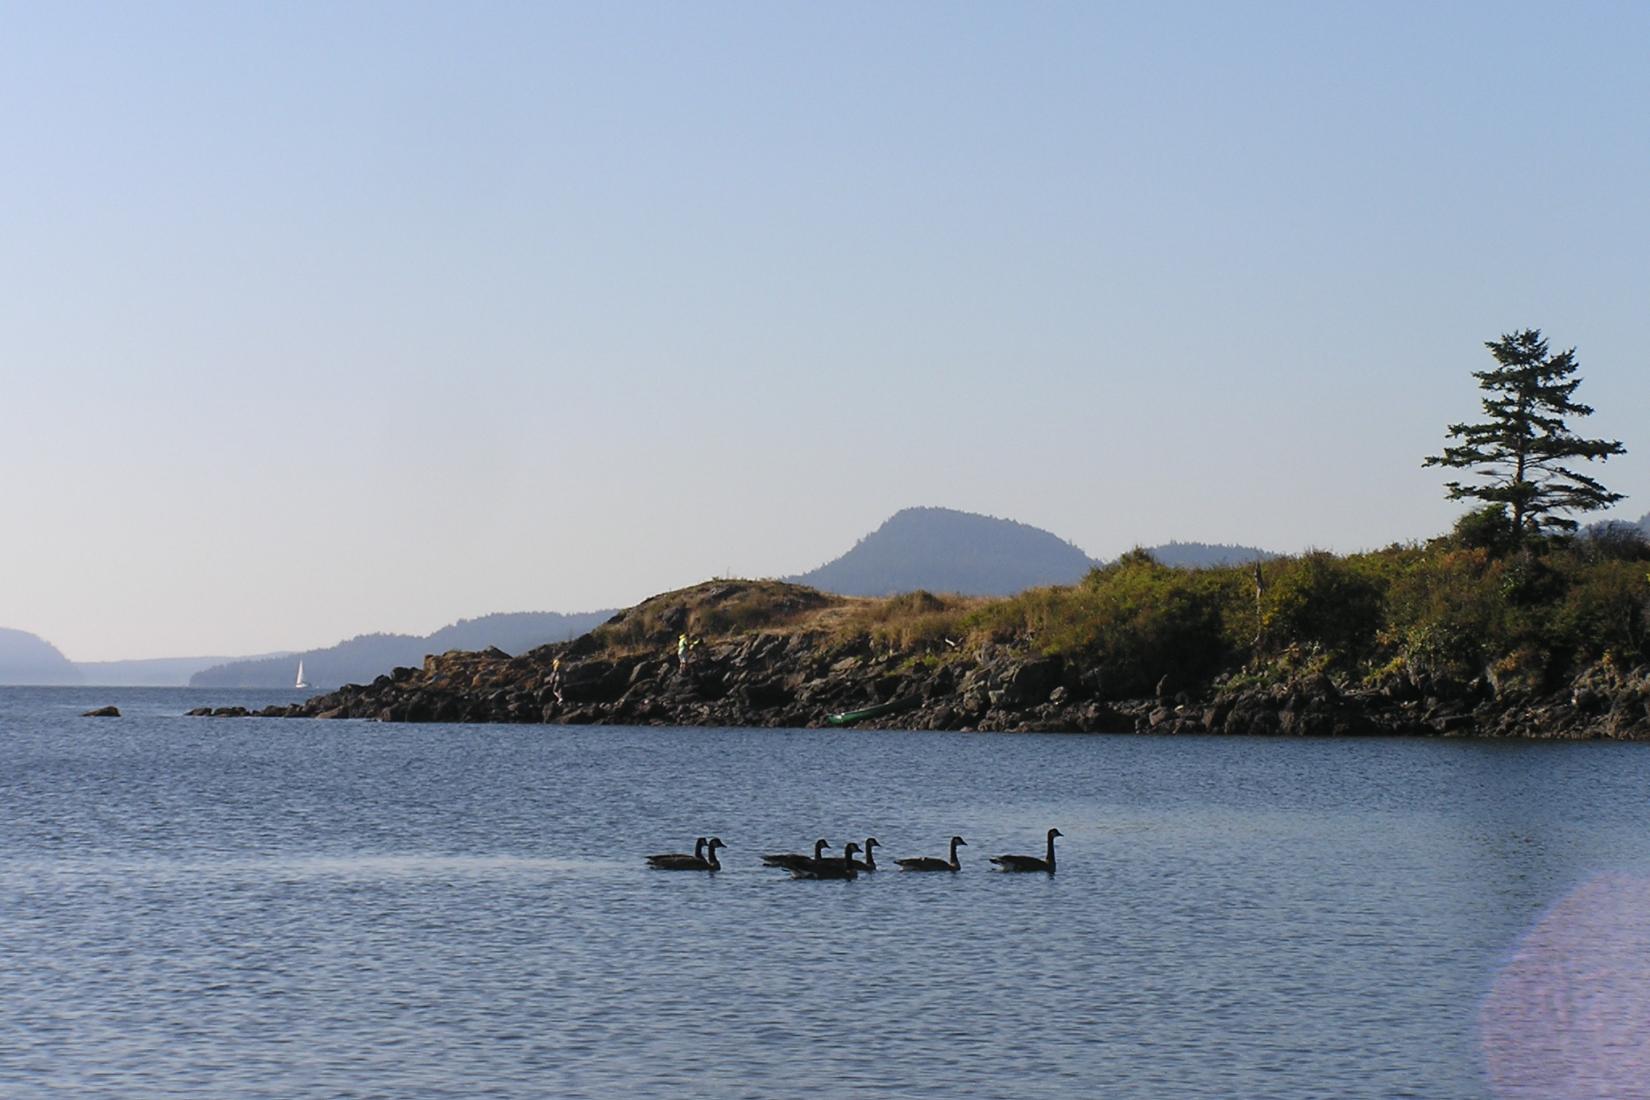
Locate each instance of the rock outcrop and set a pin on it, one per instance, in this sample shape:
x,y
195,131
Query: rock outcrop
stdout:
x,y
785,671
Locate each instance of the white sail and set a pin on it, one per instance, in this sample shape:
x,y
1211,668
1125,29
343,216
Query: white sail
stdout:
x,y
302,683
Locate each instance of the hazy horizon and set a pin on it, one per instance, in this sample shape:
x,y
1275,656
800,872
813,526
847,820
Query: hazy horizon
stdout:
x,y
318,320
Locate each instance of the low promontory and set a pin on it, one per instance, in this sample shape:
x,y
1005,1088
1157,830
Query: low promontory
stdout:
x,y
1445,638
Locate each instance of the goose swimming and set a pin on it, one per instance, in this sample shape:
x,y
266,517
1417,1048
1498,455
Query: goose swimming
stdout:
x,y
695,862
1030,863
933,863
832,868
869,863
790,861
680,861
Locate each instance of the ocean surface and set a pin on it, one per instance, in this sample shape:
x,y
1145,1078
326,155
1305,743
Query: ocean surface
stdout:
x,y
286,909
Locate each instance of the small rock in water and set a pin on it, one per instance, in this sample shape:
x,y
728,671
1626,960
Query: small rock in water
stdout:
x,y
103,712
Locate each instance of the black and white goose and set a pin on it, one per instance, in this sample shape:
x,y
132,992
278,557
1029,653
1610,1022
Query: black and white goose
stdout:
x,y
790,861
1030,863
933,863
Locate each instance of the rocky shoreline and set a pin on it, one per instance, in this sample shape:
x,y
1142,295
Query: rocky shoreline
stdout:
x,y
784,677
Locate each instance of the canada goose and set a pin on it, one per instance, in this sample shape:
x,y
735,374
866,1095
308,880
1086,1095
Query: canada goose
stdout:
x,y
790,861
831,868
1030,863
680,861
869,863
933,863
708,862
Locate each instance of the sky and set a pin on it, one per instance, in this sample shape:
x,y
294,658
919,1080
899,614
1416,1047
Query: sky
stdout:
x,y
325,318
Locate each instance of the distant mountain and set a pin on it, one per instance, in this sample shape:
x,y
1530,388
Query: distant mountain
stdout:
x,y
152,671
368,656
943,550
1202,555
27,659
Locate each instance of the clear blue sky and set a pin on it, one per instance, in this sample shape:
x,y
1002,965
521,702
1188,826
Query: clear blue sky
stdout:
x,y
318,319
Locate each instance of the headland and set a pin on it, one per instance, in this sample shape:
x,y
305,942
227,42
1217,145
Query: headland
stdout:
x,y
1450,638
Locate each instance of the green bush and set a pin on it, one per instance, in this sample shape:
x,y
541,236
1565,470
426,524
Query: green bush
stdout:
x,y
1318,598
1135,620
1605,612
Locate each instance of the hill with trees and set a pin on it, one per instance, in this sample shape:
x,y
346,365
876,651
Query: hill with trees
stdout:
x,y
366,656
944,550
1205,555
153,671
28,659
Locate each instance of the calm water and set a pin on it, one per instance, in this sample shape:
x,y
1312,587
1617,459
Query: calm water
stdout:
x,y
257,908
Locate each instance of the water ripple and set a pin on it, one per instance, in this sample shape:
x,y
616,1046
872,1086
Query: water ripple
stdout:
x,y
308,910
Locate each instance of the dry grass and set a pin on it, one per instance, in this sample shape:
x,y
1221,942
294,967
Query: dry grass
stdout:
x,y
918,622
712,610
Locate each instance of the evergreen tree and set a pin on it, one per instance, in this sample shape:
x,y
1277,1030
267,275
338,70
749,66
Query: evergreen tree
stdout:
x,y
1524,449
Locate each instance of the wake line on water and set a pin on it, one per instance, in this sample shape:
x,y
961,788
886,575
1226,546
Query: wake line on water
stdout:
x,y
374,866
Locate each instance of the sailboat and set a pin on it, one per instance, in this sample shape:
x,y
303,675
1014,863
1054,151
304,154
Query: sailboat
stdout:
x,y
302,683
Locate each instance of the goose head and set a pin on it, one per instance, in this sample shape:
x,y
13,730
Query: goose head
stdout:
x,y
715,843
1052,833
872,842
819,846
849,849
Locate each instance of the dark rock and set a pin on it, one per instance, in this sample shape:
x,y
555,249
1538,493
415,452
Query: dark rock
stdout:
x,y
103,712
1032,681
765,678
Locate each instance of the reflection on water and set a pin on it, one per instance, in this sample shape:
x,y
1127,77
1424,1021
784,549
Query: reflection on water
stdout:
x,y
287,909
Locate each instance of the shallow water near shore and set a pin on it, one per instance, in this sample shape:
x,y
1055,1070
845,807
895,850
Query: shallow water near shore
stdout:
x,y
275,908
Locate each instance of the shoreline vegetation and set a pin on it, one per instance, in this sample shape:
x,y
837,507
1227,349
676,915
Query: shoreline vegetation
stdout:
x,y
1469,634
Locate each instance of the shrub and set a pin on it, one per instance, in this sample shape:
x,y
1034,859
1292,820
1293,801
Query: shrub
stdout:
x,y
1321,599
1605,612
1487,528
1135,620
